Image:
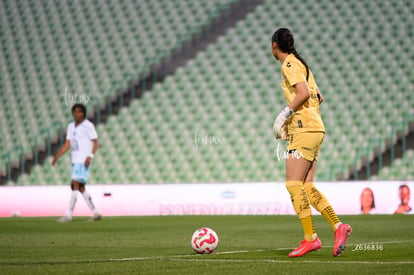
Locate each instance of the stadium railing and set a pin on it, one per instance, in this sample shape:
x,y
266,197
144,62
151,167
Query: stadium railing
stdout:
x,y
115,95
376,148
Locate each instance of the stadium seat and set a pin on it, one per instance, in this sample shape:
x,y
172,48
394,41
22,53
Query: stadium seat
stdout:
x,y
230,90
55,38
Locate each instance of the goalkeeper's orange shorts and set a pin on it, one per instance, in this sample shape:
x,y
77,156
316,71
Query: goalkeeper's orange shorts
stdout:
x,y
305,144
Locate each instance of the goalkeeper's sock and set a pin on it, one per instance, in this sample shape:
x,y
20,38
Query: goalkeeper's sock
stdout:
x,y
301,205
299,198
72,202
320,203
308,228
331,217
316,198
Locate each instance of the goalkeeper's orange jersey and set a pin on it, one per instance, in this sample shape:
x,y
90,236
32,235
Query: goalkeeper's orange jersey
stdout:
x,y
307,118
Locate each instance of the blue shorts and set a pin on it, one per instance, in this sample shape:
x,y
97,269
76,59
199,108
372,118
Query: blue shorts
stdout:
x,y
80,172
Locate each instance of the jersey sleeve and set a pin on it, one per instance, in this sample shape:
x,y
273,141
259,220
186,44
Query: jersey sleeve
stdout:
x,y
68,133
294,72
92,132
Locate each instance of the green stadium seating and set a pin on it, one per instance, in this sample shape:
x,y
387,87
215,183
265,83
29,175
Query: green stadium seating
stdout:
x,y
401,169
85,47
360,53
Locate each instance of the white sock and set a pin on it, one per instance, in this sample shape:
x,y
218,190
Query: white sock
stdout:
x,y
72,202
88,200
337,224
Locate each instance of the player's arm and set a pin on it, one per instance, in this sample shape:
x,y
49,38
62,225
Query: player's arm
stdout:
x,y
302,94
95,146
62,150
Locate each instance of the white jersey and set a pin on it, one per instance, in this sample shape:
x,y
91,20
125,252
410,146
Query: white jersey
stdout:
x,y
80,138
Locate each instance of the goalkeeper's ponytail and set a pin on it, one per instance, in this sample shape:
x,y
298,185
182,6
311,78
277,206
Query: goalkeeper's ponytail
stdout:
x,y
284,39
303,61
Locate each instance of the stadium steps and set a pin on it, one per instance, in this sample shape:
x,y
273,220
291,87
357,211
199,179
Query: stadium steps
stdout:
x,y
364,80
399,169
224,18
398,149
167,65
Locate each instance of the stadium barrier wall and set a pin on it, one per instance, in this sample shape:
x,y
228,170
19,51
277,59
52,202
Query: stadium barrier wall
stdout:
x,y
193,199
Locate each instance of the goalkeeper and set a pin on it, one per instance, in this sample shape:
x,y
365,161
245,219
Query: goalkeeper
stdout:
x,y
300,123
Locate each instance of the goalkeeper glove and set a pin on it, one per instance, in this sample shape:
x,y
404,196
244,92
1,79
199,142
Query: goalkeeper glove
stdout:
x,y
280,124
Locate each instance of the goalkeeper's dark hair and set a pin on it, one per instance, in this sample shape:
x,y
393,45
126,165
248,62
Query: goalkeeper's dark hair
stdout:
x,y
80,106
284,39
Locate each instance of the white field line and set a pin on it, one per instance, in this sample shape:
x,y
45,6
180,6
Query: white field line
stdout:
x,y
196,257
291,261
291,248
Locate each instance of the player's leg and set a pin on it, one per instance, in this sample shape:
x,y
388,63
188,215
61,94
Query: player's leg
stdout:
x,y
83,174
88,199
72,202
296,171
320,203
74,197
304,147
318,200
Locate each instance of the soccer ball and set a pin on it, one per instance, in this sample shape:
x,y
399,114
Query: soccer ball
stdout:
x,y
204,241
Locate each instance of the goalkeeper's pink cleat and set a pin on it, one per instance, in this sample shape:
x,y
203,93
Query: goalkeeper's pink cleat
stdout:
x,y
306,247
341,235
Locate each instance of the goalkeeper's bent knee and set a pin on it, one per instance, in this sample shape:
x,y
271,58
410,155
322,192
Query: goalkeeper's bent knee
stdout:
x,y
299,198
316,198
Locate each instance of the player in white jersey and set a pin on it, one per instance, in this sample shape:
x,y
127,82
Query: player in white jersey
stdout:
x,y
82,139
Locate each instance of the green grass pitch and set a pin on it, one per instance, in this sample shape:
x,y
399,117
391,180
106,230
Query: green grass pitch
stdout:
x,y
159,245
